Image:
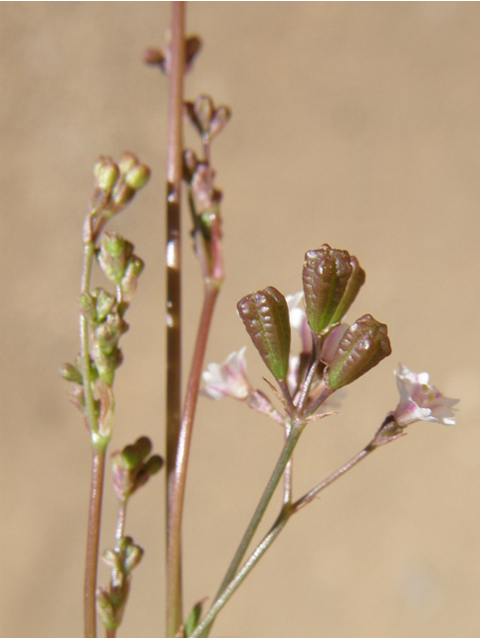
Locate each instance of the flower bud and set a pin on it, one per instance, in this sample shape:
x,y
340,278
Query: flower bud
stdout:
x,y
87,306
104,303
106,175
138,176
127,162
266,318
130,279
113,255
122,194
331,281
363,346
71,373
221,117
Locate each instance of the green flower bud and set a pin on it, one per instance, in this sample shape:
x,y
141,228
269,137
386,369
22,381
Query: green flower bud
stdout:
x,y
362,347
138,176
104,303
122,194
331,281
127,162
266,319
113,255
106,175
87,307
71,373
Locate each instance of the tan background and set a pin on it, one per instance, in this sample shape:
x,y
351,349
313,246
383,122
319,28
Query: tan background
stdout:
x,y
356,124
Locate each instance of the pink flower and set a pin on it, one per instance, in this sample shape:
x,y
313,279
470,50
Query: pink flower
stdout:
x,y
420,401
228,379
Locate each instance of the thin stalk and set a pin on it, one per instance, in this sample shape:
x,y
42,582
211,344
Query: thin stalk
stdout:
x,y
174,548
287,511
173,260
220,602
295,432
98,461
308,497
93,537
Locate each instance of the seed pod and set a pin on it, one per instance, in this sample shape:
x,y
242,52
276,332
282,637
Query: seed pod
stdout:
x,y
331,281
362,347
266,319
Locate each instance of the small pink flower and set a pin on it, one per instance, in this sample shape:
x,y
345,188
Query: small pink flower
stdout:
x,y
228,379
420,401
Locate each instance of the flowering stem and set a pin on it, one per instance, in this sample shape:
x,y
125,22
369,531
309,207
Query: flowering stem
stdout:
x,y
285,514
174,544
173,260
99,445
93,537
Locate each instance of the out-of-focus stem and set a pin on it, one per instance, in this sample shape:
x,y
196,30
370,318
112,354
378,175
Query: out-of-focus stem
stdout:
x,y
93,537
174,549
173,259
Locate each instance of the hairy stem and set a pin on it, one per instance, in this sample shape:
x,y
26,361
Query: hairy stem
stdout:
x,y
173,259
174,549
93,537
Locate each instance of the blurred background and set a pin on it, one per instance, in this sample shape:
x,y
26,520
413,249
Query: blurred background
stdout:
x,y
355,124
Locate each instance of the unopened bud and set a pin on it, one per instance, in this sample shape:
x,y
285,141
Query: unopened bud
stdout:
x,y
104,303
362,347
219,120
71,373
138,176
106,176
127,162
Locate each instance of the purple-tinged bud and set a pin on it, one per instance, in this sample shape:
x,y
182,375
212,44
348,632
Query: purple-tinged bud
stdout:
x,y
130,279
362,347
138,176
193,45
70,373
133,555
190,163
127,162
266,319
331,281
153,465
221,117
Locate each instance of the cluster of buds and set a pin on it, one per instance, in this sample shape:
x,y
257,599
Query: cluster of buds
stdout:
x,y
133,467
111,600
204,197
115,185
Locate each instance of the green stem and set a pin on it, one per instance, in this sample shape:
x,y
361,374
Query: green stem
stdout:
x,y
293,436
93,537
174,547
173,259
288,510
203,627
